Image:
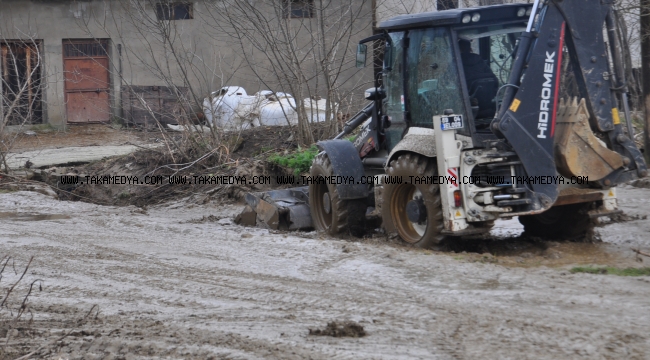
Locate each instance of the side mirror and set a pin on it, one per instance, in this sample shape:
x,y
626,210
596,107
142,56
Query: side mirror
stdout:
x,y
362,50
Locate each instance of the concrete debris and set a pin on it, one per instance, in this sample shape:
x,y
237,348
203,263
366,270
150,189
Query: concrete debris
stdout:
x,y
67,155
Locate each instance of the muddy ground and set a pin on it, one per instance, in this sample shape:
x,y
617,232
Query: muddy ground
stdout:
x,y
180,280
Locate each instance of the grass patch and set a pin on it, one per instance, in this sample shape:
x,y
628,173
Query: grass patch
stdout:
x,y
42,128
299,161
124,195
612,271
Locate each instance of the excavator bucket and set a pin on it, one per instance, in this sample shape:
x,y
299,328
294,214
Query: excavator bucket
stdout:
x,y
578,152
284,209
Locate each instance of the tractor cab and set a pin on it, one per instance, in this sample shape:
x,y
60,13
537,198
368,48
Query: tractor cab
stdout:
x,y
454,60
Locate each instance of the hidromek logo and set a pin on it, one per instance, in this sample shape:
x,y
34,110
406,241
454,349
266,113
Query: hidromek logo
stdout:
x,y
542,124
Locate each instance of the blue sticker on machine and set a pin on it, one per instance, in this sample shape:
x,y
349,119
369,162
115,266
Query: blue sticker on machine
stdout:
x,y
451,122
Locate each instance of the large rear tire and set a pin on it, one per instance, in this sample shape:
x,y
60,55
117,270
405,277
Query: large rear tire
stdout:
x,y
567,221
328,212
426,231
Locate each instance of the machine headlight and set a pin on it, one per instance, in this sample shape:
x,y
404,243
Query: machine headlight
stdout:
x,y
521,12
476,17
466,18
530,10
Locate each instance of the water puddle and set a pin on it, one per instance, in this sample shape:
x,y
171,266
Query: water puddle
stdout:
x,y
31,217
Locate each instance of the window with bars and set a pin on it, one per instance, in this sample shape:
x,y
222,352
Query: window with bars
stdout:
x,y
20,81
85,49
297,9
174,11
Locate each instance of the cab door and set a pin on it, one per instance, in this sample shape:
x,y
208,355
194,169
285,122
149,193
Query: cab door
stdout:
x,y
433,81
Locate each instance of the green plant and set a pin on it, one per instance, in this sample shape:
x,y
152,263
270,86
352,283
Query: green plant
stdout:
x,y
117,122
42,128
645,271
299,161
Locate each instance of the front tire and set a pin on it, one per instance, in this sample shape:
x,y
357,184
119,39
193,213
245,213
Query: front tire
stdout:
x,y
328,212
422,199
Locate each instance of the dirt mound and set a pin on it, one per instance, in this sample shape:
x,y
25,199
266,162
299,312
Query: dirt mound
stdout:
x,y
247,172
243,155
246,160
260,142
346,329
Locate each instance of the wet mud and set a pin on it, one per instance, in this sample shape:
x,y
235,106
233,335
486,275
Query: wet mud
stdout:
x,y
345,329
181,280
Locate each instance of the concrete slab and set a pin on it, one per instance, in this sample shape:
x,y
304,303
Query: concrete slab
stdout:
x,y
67,155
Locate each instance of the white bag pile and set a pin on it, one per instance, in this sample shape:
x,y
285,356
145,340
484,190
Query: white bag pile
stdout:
x,y
231,108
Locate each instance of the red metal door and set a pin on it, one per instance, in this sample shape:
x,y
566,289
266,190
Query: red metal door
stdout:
x,y
87,82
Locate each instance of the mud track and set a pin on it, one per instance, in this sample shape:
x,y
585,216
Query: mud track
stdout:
x,y
170,283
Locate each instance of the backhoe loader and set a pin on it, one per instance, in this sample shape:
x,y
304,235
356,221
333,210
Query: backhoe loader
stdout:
x,y
478,114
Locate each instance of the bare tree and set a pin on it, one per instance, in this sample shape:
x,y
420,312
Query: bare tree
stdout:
x,y
21,87
305,48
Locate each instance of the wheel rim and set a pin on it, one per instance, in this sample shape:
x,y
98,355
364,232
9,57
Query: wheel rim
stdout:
x,y
322,205
410,231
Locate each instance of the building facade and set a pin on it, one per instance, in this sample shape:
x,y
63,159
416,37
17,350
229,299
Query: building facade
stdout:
x,y
86,61
71,62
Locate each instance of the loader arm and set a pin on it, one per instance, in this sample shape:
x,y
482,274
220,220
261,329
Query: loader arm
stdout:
x,y
528,118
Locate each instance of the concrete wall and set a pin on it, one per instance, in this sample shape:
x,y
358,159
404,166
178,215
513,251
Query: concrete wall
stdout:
x,y
210,60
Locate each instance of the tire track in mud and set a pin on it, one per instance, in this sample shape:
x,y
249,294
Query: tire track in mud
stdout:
x,y
255,296
292,294
262,289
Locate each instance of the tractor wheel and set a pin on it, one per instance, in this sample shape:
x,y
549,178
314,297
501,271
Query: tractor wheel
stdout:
x,y
567,221
328,212
413,210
